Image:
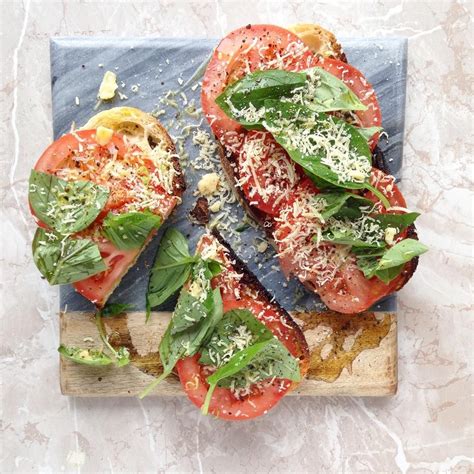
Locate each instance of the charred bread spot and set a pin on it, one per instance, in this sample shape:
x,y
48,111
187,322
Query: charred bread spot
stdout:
x,y
200,212
252,282
379,161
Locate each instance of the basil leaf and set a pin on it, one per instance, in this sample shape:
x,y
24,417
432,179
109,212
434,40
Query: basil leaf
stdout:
x,y
348,238
182,340
305,136
325,93
389,265
171,269
341,204
273,361
65,206
188,312
114,309
244,100
222,343
92,357
131,229
369,132
400,221
264,356
401,253
64,260
238,362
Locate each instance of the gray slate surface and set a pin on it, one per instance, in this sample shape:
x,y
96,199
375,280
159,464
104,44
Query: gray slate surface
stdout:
x,y
75,72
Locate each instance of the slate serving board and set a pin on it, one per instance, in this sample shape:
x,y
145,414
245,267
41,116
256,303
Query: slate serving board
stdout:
x,y
152,66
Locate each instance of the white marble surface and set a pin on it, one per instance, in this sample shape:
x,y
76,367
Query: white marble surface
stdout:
x,y
427,427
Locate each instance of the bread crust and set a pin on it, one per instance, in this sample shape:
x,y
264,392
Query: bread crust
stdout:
x,y
319,40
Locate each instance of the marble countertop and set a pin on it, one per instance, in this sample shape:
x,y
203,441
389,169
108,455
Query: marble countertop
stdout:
x,y
426,427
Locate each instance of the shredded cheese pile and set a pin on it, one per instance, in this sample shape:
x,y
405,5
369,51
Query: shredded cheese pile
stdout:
x,y
268,167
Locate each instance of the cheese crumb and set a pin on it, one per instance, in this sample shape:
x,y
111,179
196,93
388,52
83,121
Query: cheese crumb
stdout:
x,y
390,233
262,246
215,207
108,86
103,135
208,184
77,101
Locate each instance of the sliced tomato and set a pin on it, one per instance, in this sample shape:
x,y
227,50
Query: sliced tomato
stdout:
x,y
242,51
350,292
97,288
356,81
224,404
266,173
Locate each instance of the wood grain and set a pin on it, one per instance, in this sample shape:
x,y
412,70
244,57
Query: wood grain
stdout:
x,y
354,355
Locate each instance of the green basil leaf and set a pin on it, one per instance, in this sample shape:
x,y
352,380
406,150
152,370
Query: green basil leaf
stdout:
x,y
188,312
347,238
122,356
388,266
388,274
244,100
341,204
64,260
171,269
65,206
237,363
177,344
304,135
131,229
91,357
399,221
369,132
114,309
222,343
273,361
402,252
325,93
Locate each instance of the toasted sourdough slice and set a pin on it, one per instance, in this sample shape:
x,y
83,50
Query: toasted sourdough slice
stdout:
x,y
259,384
146,133
237,282
266,222
319,40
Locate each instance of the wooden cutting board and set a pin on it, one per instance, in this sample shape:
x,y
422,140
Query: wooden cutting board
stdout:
x,y
349,355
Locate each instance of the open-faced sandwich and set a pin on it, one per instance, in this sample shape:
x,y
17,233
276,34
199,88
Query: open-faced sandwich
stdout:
x,y
298,127
98,195
236,351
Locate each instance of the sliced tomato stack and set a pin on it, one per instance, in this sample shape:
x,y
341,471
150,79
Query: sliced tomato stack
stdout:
x,y
259,47
78,156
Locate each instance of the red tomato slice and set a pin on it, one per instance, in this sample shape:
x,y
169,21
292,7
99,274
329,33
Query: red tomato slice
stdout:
x,y
356,81
266,173
224,404
98,287
242,51
77,156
